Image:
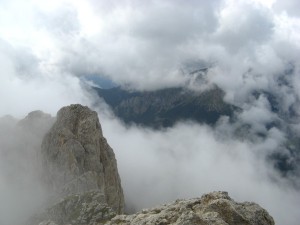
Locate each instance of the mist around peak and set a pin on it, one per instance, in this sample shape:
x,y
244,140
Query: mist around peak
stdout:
x,y
250,49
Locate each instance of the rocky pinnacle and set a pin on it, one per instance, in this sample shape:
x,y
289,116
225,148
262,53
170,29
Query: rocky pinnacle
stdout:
x,y
77,158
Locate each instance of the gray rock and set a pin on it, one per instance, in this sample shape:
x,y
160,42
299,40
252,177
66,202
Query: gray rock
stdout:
x,y
214,208
82,209
47,222
77,158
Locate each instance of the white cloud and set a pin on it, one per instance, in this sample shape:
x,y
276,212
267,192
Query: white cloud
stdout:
x,y
288,6
258,114
190,160
244,26
26,86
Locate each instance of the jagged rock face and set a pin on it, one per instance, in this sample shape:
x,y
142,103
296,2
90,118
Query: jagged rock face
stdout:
x,y
77,158
210,209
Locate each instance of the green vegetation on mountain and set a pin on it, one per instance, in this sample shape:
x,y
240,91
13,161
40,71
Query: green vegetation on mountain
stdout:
x,y
163,108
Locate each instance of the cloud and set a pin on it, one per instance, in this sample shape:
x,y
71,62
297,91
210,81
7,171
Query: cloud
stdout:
x,y
290,7
26,86
21,189
189,160
145,45
243,26
258,114
62,23
131,47
250,48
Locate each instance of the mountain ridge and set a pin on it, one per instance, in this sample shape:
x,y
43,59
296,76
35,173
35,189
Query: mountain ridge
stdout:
x,y
164,108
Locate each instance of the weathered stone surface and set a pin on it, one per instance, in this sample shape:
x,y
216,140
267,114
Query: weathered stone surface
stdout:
x,y
210,209
83,209
77,158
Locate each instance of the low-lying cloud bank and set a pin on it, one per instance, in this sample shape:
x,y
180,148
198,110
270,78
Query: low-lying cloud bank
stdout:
x,y
191,159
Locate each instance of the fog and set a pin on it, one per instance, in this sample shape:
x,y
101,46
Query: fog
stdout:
x,y
189,160
249,46
21,188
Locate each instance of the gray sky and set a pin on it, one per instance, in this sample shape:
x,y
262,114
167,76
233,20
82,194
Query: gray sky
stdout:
x,y
46,46
145,45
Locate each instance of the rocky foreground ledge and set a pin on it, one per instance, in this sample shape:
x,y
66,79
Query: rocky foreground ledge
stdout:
x,y
214,208
80,169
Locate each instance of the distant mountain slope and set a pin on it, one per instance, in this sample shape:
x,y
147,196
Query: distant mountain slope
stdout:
x,y
163,108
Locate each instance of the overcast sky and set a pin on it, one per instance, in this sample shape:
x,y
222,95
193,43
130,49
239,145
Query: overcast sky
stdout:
x,y
148,44
46,46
